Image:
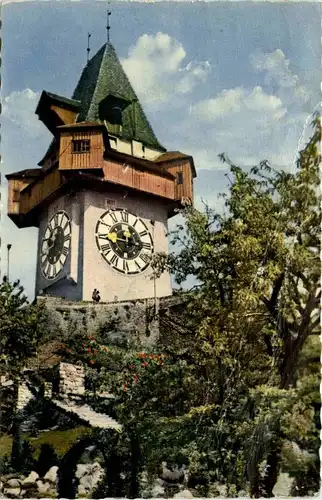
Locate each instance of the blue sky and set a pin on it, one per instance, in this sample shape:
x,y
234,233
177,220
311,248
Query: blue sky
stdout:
x,y
235,77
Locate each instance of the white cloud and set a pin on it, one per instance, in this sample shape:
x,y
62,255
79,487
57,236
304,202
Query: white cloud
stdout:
x,y
251,124
193,74
277,72
154,65
254,104
19,107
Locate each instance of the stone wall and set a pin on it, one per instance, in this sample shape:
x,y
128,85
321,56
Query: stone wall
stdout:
x,y
70,385
71,381
121,320
24,395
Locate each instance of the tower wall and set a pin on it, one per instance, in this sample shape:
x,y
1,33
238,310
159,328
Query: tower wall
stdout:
x,y
115,286
85,268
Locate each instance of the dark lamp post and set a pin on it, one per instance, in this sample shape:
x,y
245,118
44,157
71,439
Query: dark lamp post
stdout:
x,y
8,261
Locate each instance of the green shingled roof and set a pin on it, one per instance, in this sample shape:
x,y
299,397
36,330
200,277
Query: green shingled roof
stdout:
x,y
103,76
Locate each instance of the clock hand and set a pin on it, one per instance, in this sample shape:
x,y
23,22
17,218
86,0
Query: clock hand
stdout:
x,y
112,237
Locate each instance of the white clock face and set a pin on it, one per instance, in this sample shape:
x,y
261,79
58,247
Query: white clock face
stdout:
x,y
55,245
124,241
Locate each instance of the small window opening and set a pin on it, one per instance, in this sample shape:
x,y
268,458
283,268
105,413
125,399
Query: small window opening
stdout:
x,y
179,178
81,146
16,195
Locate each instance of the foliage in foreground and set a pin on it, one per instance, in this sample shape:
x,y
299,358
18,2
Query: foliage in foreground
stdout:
x,y
232,389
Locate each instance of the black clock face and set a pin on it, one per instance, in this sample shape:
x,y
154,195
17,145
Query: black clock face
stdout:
x,y
55,245
124,241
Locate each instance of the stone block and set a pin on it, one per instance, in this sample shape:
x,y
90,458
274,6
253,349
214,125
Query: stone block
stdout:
x,y
12,492
43,487
13,483
51,475
30,480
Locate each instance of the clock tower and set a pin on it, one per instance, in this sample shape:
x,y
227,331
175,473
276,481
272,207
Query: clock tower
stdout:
x,y
103,193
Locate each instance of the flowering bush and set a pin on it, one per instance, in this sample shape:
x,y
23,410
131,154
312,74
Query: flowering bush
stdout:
x,y
137,365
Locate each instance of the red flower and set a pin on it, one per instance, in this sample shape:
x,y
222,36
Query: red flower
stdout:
x,y
124,388
91,361
89,349
151,356
140,355
132,366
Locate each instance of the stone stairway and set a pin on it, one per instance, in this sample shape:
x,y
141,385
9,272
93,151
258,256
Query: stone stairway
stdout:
x,y
88,415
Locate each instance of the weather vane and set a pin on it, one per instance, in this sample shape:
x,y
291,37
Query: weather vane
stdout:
x,y
108,24
88,48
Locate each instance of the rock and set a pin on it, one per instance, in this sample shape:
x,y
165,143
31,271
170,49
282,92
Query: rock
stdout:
x,y
283,486
184,494
81,490
51,475
81,470
42,487
89,476
86,483
13,483
12,492
174,475
89,482
242,494
30,480
158,491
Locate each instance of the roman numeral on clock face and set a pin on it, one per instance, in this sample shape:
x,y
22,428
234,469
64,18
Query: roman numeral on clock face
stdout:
x,y
106,248
146,246
113,217
126,267
114,260
103,236
125,217
104,224
137,265
145,257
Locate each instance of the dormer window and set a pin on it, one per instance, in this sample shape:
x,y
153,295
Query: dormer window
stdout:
x,y
111,112
81,146
179,178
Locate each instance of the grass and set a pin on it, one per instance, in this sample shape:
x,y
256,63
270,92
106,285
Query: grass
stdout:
x,y
60,439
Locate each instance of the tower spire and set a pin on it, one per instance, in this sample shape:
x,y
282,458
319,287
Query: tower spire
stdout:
x,y
88,48
108,27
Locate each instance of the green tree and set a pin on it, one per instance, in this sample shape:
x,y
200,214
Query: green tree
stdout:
x,y
234,361
258,300
22,328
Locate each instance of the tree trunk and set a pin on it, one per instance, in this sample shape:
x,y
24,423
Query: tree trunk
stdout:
x,y
273,464
135,465
263,486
